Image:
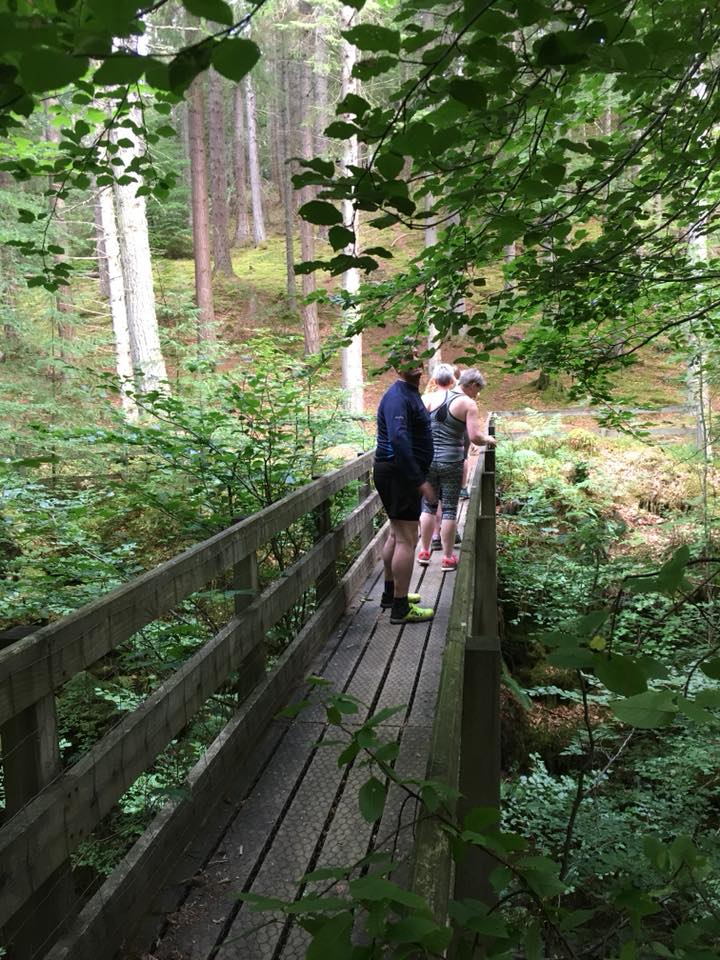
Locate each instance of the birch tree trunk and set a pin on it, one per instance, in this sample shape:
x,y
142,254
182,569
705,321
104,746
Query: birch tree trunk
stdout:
x,y
285,152
259,235
309,311
351,356
218,176
201,230
147,359
321,77
242,221
430,237
105,205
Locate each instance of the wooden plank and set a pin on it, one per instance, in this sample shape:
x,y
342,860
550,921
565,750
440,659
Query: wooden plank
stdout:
x,y
40,663
110,915
432,874
69,810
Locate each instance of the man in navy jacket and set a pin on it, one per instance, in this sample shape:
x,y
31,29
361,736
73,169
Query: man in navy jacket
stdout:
x,y
402,457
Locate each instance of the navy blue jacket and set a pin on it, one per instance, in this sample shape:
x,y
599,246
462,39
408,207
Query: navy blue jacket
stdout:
x,y
403,432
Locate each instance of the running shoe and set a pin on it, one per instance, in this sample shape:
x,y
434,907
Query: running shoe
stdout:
x,y
387,602
414,614
464,494
458,539
423,558
448,563
436,543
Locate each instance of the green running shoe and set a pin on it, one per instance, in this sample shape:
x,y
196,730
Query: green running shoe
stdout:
x,y
415,614
387,602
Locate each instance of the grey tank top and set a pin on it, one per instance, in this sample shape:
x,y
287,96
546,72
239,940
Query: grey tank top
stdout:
x,y
448,434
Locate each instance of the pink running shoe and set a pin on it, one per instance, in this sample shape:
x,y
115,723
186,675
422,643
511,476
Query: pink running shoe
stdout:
x,y
423,557
448,563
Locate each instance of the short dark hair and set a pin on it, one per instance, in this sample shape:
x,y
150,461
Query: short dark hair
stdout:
x,y
472,377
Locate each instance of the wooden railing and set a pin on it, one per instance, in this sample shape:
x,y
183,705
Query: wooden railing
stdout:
x,y
50,811
465,749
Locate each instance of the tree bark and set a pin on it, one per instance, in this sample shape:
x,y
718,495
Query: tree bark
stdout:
x,y
201,231
105,205
259,235
100,252
285,152
321,78
351,356
63,299
218,176
311,327
242,220
430,236
147,359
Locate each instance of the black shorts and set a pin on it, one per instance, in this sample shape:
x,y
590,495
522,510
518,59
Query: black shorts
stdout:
x,y
400,497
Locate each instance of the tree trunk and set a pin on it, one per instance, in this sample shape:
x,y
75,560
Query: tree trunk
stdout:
x,y
259,235
201,232
105,206
311,328
351,356
321,80
430,235
63,299
242,221
100,252
218,176
698,386
147,359
285,152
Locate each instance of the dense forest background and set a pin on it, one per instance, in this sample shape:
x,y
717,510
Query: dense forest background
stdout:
x,y
216,221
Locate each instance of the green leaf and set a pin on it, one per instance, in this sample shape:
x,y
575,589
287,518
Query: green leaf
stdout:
x,y
216,10
376,888
654,708
354,104
372,37
235,57
320,212
373,67
371,799
390,164
671,575
340,237
44,69
561,49
183,68
711,668
341,130
620,674
471,93
120,69
333,939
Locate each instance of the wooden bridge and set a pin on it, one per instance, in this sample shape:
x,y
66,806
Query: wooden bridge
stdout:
x,y
266,803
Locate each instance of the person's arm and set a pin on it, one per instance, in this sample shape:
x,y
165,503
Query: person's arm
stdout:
x,y
396,418
474,428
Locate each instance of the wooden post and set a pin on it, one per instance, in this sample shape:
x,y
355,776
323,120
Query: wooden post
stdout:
x,y
31,760
364,491
480,731
327,580
245,581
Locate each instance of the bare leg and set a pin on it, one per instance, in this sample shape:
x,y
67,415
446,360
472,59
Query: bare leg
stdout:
x,y
438,521
405,532
387,552
447,535
427,525
466,472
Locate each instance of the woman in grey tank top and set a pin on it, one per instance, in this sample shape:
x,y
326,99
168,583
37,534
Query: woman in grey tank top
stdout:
x,y
453,411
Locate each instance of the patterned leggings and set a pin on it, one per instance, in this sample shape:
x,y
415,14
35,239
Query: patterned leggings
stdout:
x,y
446,481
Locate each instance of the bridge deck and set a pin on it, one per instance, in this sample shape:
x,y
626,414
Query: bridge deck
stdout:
x,y
295,810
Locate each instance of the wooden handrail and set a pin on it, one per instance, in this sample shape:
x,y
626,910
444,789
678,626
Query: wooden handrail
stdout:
x,y
464,751
44,829
40,663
